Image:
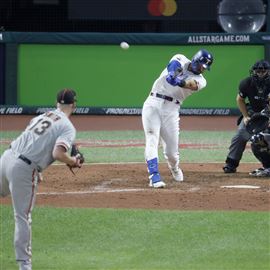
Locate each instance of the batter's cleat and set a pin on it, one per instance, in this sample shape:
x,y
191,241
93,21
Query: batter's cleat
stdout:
x,y
177,174
262,172
255,172
155,181
229,169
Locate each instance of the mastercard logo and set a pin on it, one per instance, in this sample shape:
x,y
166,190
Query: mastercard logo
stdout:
x,y
162,7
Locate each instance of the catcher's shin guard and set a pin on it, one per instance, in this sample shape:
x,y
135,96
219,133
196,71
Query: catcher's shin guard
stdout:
x,y
262,153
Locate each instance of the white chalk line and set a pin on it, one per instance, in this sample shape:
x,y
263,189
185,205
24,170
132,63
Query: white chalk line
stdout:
x,y
99,190
141,162
92,191
241,186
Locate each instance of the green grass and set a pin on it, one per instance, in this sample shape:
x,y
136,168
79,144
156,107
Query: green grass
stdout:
x,y
113,239
220,141
67,239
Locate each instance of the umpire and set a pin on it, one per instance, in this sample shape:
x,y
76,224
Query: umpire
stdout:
x,y
256,89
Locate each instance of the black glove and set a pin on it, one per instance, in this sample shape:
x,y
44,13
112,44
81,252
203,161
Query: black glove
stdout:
x,y
77,154
266,110
79,158
257,123
258,139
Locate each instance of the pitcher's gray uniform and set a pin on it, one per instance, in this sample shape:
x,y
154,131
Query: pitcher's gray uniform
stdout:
x,y
20,168
160,114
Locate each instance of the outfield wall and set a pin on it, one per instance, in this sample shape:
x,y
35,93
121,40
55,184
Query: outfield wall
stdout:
x,y
108,78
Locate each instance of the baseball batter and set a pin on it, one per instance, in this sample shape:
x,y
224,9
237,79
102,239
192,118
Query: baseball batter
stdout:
x,y
47,138
160,114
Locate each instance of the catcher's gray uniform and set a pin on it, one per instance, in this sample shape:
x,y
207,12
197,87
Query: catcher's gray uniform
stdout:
x,y
260,146
20,166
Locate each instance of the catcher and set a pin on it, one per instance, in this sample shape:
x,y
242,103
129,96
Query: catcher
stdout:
x,y
260,146
256,89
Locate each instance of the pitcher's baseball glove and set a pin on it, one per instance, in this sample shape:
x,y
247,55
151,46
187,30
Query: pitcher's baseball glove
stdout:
x,y
257,123
75,152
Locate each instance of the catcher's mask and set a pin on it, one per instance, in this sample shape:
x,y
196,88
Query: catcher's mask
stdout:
x,y
260,71
201,60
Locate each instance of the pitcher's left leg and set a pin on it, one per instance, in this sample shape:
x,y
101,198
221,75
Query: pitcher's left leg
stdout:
x,y
23,189
4,185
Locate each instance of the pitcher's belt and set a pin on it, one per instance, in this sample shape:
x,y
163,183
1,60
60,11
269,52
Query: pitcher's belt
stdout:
x,y
165,97
26,160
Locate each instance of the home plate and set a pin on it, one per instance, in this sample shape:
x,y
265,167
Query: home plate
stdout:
x,y
240,186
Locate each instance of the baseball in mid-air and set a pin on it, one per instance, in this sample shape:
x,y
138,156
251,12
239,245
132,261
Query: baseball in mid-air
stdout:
x,y
124,45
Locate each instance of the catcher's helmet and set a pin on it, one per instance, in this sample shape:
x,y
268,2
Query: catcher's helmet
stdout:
x,y
202,59
260,71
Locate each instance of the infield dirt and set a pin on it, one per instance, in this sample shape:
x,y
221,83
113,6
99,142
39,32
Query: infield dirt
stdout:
x,y
126,185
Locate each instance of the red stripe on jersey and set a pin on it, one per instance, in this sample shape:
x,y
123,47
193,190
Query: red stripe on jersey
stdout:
x,y
63,145
33,193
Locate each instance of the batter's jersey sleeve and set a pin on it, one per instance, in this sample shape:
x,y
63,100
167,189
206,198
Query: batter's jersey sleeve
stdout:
x,y
186,74
181,59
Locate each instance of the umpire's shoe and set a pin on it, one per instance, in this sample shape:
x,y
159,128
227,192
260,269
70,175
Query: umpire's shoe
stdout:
x,y
229,169
155,181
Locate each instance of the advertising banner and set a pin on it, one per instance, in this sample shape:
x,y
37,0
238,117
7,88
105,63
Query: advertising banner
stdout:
x,y
142,9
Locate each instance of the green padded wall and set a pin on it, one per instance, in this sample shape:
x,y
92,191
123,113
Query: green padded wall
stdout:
x,y
107,76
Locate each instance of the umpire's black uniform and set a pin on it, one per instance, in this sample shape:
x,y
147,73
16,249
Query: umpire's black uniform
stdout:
x,y
258,93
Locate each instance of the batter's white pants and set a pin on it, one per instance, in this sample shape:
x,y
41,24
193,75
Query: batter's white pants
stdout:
x,y
160,120
20,180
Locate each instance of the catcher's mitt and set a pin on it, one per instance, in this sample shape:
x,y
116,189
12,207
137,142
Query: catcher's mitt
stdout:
x,y
257,123
74,152
258,140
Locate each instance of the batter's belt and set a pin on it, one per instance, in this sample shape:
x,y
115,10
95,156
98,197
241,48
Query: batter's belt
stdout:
x,y
176,101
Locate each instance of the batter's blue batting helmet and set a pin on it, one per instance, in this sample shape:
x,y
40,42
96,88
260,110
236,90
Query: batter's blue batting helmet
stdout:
x,y
202,58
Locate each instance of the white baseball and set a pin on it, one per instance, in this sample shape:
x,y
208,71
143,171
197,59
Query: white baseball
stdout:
x,y
124,45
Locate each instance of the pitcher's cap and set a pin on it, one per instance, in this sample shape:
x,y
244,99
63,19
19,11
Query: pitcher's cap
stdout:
x,y
66,96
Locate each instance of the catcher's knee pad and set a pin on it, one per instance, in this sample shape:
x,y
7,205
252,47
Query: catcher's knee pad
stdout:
x,y
262,153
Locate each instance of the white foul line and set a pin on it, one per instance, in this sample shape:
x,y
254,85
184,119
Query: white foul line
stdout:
x,y
92,191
